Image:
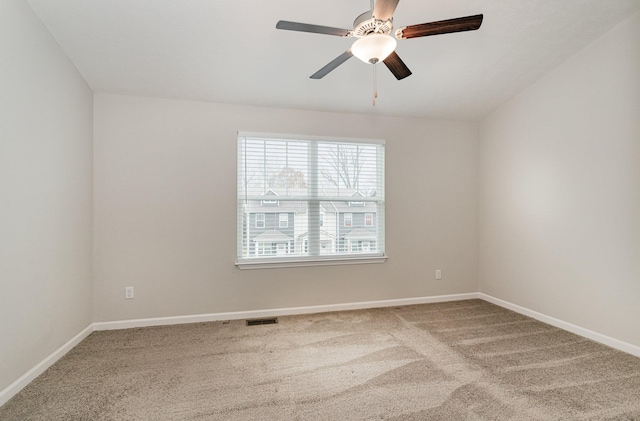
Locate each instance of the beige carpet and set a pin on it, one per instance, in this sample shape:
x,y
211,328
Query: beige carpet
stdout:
x,y
465,360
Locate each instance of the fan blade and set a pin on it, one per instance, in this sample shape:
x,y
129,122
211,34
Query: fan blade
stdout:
x,y
468,23
383,9
315,29
332,65
397,66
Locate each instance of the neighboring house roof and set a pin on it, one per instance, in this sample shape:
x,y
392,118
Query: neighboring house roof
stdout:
x,y
324,235
360,234
283,207
272,194
352,202
323,208
364,207
272,236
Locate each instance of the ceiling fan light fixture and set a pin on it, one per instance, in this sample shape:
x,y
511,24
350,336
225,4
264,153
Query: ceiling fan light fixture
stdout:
x,y
373,48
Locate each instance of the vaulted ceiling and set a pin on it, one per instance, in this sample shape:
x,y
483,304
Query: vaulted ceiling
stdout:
x,y
231,52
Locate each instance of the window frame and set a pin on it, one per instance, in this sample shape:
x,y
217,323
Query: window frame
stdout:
x,y
255,261
281,220
368,219
263,219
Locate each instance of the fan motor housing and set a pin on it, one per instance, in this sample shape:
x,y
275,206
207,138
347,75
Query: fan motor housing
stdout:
x,y
366,24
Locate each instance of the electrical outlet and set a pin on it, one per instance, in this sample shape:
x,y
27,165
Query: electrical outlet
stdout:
x,y
128,293
438,274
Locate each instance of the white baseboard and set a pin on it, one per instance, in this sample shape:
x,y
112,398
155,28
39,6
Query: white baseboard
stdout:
x,y
590,334
15,387
25,379
236,315
9,391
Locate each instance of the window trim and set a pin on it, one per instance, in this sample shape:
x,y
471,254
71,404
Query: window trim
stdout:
x,y
263,219
368,217
273,263
282,220
377,256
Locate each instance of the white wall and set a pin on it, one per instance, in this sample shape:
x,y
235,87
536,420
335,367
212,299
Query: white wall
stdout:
x,y
165,210
560,191
45,194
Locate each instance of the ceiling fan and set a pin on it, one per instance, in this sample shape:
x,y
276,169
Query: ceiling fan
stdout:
x,y
374,42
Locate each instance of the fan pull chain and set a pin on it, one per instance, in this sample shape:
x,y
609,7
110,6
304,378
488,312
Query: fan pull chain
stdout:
x,y
375,85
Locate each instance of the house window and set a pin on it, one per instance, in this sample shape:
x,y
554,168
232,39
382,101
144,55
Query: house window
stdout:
x,y
259,220
315,180
368,219
264,249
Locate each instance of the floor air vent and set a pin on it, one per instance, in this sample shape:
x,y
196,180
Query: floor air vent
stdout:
x,y
268,321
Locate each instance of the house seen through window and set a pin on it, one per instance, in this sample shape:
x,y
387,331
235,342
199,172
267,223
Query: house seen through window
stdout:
x,y
309,199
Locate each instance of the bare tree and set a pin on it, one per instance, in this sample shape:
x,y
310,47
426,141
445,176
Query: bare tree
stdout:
x,y
344,166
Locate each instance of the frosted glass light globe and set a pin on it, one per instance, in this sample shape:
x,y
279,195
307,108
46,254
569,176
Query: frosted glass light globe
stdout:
x,y
373,48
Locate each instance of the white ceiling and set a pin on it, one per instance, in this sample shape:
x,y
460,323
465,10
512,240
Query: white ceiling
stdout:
x,y
229,51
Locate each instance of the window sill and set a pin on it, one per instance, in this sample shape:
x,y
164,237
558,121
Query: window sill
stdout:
x,y
272,263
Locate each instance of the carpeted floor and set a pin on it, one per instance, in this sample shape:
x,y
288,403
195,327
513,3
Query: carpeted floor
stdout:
x,y
465,360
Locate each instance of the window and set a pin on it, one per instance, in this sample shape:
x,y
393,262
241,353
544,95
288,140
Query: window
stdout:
x,y
368,219
259,220
264,249
315,181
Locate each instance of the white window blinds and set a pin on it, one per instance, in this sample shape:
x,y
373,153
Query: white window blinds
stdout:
x,y
304,200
